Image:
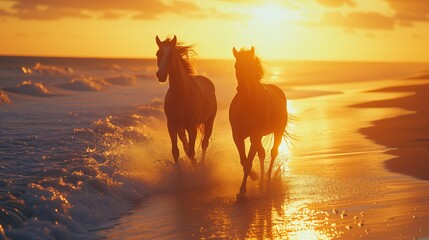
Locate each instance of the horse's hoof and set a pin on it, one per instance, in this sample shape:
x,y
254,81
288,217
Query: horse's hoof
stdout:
x,y
241,197
253,175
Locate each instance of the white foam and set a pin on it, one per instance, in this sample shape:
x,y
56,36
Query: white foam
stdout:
x,y
70,200
30,88
51,70
85,84
4,98
121,80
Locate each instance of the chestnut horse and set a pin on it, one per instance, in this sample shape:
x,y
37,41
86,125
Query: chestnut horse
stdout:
x,y
256,110
190,103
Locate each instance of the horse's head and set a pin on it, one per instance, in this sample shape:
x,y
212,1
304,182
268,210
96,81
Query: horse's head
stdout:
x,y
248,69
163,57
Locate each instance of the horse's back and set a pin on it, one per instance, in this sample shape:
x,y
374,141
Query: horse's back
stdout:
x,y
263,114
278,116
206,95
205,84
207,89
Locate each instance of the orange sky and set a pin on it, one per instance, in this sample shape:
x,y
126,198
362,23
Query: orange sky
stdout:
x,y
368,30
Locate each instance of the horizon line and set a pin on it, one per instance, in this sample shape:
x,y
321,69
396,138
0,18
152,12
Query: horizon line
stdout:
x,y
223,59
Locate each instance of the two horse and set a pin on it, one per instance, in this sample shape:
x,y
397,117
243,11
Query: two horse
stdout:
x,y
257,109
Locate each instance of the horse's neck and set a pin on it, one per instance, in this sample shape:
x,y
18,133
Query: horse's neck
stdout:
x,y
255,97
179,78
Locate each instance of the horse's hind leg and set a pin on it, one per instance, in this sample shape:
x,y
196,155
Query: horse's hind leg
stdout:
x,y
261,155
208,129
274,152
192,132
182,136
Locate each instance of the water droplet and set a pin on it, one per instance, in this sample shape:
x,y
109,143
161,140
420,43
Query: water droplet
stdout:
x,y
343,214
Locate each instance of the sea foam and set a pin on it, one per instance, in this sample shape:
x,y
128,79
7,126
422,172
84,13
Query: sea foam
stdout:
x,y
121,80
4,98
79,193
84,84
51,70
30,88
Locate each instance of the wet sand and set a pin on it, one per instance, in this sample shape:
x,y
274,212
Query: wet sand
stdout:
x,y
356,170
408,135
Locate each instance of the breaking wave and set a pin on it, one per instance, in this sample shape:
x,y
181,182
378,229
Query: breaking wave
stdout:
x,y
78,186
121,80
4,98
84,84
30,88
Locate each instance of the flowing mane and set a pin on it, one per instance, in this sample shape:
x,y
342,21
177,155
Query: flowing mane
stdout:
x,y
244,54
186,53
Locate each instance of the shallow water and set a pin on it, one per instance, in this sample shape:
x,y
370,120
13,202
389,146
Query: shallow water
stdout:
x,y
331,184
93,160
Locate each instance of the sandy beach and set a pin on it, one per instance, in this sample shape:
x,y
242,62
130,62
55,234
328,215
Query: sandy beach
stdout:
x,y
357,168
355,165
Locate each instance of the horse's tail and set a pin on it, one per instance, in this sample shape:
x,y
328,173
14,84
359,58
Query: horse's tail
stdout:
x,y
201,129
288,134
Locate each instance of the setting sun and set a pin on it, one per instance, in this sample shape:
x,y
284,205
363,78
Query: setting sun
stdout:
x,y
283,30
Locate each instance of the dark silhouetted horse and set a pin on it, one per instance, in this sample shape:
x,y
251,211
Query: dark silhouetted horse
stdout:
x,y
190,101
257,110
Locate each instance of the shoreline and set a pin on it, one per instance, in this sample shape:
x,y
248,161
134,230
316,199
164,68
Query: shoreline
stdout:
x,y
407,135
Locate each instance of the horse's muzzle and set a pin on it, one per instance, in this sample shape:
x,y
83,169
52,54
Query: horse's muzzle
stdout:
x,y
161,77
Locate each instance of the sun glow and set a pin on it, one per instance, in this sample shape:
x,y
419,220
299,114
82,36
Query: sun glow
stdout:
x,y
273,13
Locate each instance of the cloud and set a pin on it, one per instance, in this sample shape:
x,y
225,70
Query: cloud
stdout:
x,y
107,9
110,15
410,11
4,12
406,13
245,1
177,7
361,20
336,3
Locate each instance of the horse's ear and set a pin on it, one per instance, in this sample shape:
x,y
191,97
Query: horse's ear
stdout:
x,y
234,51
252,51
158,41
174,41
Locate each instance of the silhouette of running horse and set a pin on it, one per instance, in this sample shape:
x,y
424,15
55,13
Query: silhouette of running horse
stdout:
x,y
256,110
190,103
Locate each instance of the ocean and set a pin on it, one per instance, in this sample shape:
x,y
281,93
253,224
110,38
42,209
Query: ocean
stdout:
x,y
83,144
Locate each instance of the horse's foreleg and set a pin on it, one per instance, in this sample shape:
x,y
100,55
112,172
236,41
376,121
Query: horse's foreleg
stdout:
x,y
208,128
172,130
274,152
239,143
248,167
192,132
182,136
